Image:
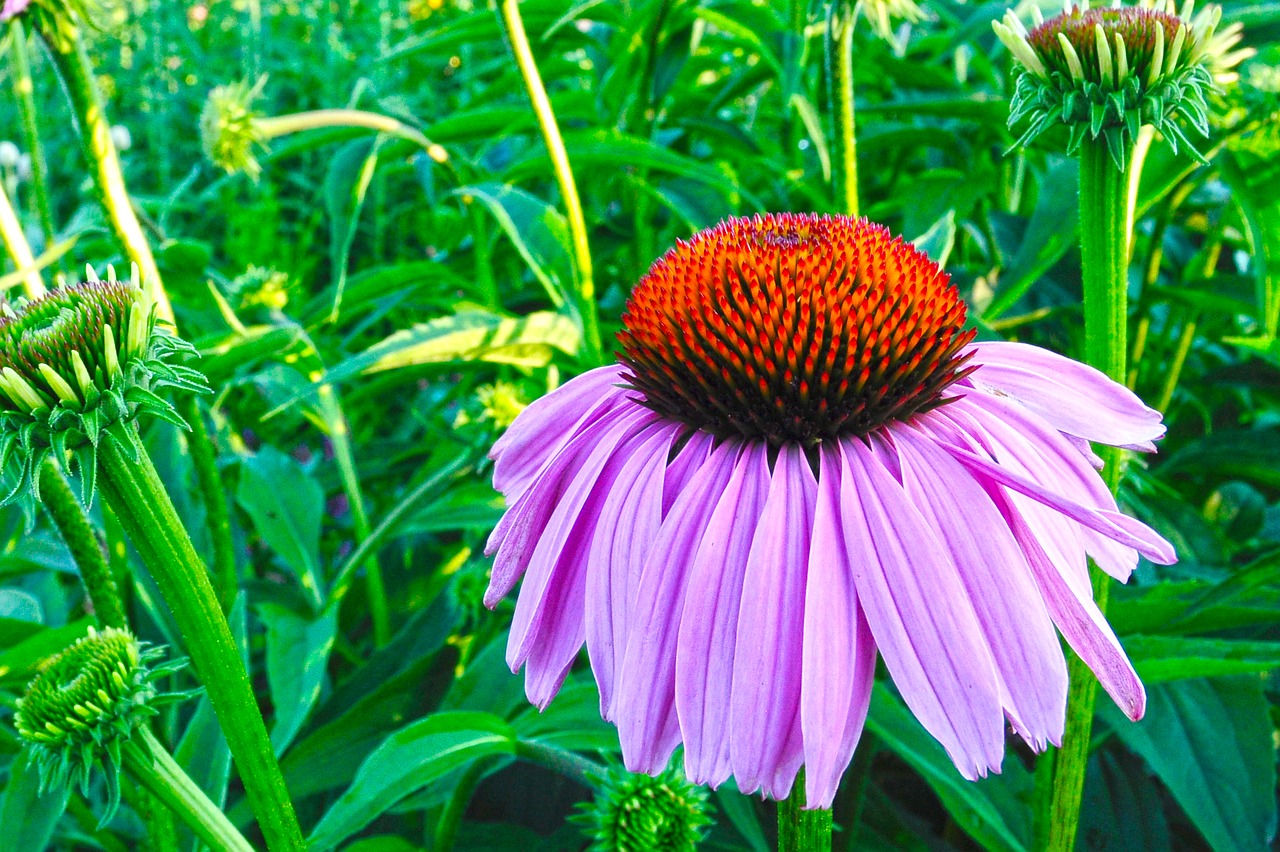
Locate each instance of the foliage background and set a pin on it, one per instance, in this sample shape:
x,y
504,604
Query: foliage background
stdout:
x,y
453,282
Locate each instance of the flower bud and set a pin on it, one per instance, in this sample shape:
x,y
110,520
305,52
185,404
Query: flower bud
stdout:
x,y
635,813
229,128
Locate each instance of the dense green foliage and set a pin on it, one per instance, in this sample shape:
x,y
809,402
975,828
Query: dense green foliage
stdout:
x,y
371,317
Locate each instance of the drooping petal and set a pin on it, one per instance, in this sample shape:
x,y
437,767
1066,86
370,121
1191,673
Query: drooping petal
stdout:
x,y
629,521
1073,397
765,746
540,431
688,461
839,656
998,581
644,706
919,614
709,627
1080,621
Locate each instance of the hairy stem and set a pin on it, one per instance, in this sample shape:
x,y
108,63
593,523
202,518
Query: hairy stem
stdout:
x,y
73,525
840,54
133,488
800,830
564,176
24,91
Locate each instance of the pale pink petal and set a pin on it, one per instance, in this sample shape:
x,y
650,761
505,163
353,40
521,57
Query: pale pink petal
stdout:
x,y
1073,397
644,706
839,653
688,461
918,611
766,746
709,628
998,581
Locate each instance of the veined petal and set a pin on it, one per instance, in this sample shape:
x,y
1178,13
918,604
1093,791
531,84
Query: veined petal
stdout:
x,y
1072,397
628,524
539,432
765,746
839,651
919,614
998,580
644,707
704,659
688,461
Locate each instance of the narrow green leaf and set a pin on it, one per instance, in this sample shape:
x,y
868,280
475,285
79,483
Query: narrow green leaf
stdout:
x,y
286,506
297,654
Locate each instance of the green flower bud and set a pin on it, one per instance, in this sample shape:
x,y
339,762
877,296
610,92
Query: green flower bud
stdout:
x,y
1106,72
638,813
881,15
77,365
86,704
230,129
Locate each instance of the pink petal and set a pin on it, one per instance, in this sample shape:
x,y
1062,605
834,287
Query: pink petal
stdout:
x,y
709,628
998,582
839,652
1073,397
688,461
644,707
918,611
766,746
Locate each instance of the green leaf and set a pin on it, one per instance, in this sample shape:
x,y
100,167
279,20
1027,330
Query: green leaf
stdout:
x,y
539,232
1248,454
286,506
27,819
345,186
408,760
1210,742
1164,658
991,811
297,654
938,241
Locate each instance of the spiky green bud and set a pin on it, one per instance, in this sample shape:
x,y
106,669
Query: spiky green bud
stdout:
x,y
77,366
883,14
59,21
1104,73
230,130
638,813
78,713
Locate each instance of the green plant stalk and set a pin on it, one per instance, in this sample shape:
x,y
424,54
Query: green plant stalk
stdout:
x,y
15,242
148,763
217,518
840,41
564,177
1105,226
100,152
800,830
69,517
24,91
134,490
281,125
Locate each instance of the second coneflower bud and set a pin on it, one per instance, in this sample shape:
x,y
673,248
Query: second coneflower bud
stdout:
x,y
633,812
1104,73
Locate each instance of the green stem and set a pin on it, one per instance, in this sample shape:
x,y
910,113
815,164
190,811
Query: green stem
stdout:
x,y
24,89
69,517
446,833
1187,337
1105,226
564,176
281,125
840,53
204,459
15,242
95,138
570,764
800,830
133,488
147,761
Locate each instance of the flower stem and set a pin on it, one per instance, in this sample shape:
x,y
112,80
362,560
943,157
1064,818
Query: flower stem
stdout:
x,y
1105,226
100,152
134,490
564,176
205,461
15,242
73,525
840,53
281,125
800,830
147,761
24,90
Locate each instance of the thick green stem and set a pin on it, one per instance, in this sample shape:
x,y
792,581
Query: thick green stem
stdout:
x,y
100,152
564,176
1105,226
134,490
146,760
840,50
15,242
24,90
281,125
800,830
72,523
204,459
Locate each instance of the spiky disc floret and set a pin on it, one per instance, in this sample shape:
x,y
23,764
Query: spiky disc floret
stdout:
x,y
230,130
85,705
793,327
76,366
638,813
1106,72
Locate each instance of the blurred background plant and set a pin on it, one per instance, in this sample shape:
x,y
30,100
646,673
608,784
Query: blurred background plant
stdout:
x,y
400,277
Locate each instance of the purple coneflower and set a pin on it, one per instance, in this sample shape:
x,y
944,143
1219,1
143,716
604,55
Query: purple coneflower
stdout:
x,y
803,459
